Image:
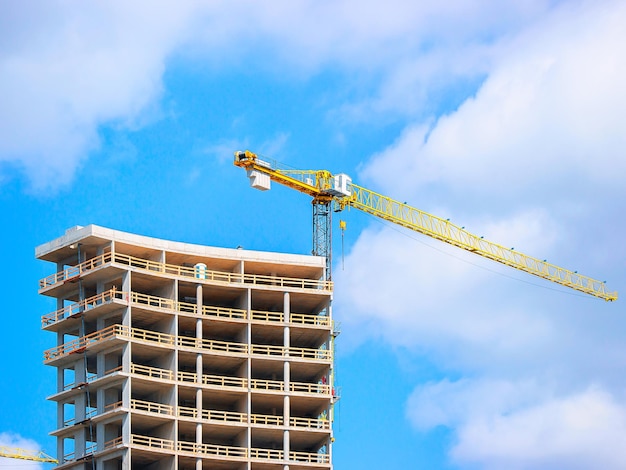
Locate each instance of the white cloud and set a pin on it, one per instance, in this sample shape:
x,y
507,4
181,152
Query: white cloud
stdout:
x,y
67,70
409,288
454,404
581,431
16,441
524,425
532,161
73,69
549,115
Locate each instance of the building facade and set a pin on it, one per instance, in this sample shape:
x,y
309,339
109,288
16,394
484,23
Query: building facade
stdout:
x,y
179,356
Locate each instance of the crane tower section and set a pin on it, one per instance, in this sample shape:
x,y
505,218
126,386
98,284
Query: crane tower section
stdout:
x,y
324,188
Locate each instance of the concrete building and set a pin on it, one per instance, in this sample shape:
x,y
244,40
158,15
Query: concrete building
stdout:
x,y
179,356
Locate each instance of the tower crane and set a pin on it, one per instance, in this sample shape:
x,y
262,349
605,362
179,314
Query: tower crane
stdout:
x,y
25,454
336,192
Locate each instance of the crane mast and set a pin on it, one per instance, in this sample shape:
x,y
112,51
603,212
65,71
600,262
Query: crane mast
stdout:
x,y
335,192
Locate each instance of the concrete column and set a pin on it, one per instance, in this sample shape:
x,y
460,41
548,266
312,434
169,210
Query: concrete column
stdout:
x,y
79,443
239,269
286,316
126,429
286,446
100,362
199,371
287,378
248,308
126,357
60,415
100,436
100,399
60,378
60,302
126,386
60,449
286,417
100,321
126,456
199,436
81,325
126,287
80,374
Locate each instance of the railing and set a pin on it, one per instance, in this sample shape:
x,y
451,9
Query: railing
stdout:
x,y
150,336
308,353
259,315
212,449
136,405
212,415
152,372
261,384
216,380
151,407
213,345
187,307
226,312
222,381
269,420
268,350
309,423
91,377
267,454
152,301
114,442
113,406
315,388
209,415
89,449
300,353
230,452
309,457
223,312
73,272
152,442
187,412
164,339
297,387
314,320
79,343
80,307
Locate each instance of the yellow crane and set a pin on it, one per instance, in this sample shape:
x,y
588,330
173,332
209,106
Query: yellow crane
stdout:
x,y
25,454
336,192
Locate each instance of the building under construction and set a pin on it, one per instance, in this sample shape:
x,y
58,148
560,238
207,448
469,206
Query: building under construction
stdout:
x,y
178,356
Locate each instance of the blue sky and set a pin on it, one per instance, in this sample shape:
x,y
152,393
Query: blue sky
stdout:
x,y
507,117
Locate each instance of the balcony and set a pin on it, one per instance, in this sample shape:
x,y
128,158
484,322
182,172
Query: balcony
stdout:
x,y
205,276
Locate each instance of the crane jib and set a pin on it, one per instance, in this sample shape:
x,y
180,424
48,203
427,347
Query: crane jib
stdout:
x,y
325,187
